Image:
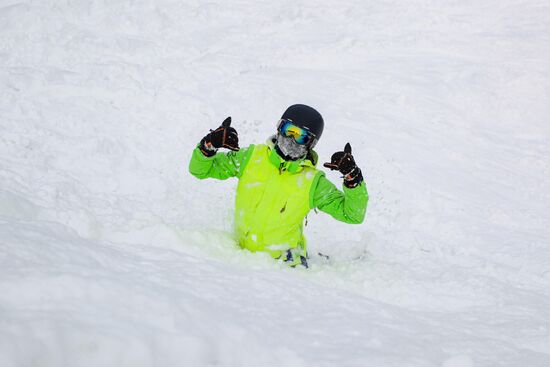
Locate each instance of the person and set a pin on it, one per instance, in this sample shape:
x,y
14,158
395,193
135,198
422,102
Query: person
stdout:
x,y
279,182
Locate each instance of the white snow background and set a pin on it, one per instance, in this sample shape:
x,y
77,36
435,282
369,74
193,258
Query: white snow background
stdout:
x,y
112,254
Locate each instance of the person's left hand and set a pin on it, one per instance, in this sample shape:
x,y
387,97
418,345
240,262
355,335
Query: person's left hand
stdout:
x,y
344,162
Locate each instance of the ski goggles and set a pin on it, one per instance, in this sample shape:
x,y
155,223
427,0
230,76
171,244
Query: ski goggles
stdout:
x,y
300,135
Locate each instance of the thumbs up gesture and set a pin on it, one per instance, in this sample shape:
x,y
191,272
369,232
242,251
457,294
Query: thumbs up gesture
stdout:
x,y
223,137
345,163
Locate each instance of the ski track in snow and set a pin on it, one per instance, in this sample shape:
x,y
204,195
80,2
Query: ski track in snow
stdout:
x,y
111,254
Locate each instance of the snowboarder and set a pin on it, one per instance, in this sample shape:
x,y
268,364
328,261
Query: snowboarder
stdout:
x,y
279,182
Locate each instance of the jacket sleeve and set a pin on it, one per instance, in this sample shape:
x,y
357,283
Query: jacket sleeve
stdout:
x,y
221,166
348,206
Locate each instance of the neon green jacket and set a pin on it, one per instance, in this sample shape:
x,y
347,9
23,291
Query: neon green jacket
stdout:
x,y
259,223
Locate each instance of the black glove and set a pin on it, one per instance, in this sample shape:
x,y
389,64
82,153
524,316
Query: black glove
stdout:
x,y
344,162
223,137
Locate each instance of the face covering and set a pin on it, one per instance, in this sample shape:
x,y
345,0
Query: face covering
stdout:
x,y
291,150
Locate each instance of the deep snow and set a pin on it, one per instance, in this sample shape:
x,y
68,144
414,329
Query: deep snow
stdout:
x,y
111,254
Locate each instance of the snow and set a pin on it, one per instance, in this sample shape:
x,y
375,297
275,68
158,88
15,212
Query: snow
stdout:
x,y
112,254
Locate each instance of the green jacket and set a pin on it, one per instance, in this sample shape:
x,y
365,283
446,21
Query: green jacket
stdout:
x,y
348,206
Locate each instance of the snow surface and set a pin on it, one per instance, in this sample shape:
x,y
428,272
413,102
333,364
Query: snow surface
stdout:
x,y
112,254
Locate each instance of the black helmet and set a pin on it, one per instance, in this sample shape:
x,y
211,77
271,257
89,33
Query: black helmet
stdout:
x,y
305,117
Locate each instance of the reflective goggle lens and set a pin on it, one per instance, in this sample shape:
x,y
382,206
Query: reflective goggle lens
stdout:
x,y
301,136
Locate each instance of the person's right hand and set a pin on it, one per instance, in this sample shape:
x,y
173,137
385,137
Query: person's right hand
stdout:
x,y
223,137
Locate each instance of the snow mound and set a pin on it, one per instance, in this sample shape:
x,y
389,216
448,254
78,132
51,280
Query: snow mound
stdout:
x,y
111,254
